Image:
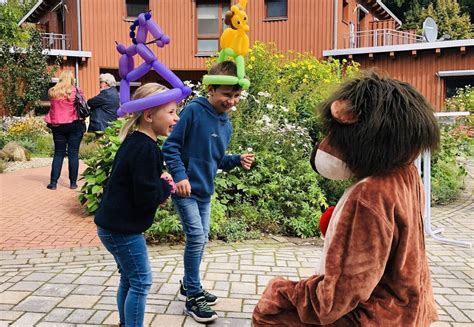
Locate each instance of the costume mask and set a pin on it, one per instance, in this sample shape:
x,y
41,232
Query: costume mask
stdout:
x,y
327,162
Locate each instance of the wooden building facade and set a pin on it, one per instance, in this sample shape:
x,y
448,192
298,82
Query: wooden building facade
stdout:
x,y
83,33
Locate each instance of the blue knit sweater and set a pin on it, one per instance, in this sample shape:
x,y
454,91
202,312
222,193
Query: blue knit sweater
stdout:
x,y
196,147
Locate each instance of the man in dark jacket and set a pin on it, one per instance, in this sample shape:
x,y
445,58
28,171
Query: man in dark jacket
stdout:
x,y
104,105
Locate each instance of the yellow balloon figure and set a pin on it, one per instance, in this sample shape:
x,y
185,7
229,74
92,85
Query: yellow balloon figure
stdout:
x,y
235,36
234,43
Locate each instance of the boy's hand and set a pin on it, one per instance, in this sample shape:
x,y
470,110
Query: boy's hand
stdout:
x,y
183,188
246,160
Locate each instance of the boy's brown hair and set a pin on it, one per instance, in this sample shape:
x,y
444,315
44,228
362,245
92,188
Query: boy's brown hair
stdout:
x,y
226,67
393,124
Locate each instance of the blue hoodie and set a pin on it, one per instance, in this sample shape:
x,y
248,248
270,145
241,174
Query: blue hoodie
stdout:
x,y
196,147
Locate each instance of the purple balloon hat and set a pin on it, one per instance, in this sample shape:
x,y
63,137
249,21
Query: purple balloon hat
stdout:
x,y
128,73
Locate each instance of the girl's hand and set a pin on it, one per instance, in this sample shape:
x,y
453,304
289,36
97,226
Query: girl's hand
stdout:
x,y
183,188
167,177
246,160
163,174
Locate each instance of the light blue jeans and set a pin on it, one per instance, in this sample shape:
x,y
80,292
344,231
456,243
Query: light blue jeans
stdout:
x,y
130,253
195,216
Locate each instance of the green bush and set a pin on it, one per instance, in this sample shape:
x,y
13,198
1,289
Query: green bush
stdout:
x,y
88,150
44,145
98,167
447,173
29,132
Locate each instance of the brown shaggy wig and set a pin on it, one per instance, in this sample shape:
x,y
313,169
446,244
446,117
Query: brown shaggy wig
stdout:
x,y
395,123
226,67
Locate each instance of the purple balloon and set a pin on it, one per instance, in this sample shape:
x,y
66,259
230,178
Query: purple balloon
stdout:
x,y
141,34
154,29
151,101
123,66
146,53
121,48
131,63
142,19
131,50
185,92
138,72
167,74
124,91
165,39
159,43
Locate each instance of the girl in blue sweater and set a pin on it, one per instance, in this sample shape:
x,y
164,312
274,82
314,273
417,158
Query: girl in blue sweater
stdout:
x,y
137,186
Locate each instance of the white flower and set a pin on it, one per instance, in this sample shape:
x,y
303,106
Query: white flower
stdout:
x,y
277,142
249,149
257,101
188,83
270,106
264,94
233,108
285,109
266,119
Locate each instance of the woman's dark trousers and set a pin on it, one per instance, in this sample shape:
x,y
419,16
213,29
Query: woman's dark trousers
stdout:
x,y
66,136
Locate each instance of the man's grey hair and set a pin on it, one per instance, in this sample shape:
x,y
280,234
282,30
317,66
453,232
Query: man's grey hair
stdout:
x,y
109,79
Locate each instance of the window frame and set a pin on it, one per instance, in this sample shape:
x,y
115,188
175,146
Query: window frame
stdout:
x,y
275,18
345,11
220,26
127,16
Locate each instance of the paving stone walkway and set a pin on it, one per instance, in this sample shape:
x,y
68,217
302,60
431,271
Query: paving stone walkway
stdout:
x,y
49,284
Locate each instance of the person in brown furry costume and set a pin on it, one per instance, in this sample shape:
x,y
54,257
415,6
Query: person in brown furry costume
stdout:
x,y
374,269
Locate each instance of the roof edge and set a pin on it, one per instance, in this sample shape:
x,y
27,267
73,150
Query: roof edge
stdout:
x,y
381,4
399,48
30,12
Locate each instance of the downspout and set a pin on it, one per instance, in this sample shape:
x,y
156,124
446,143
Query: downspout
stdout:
x,y
335,23
79,38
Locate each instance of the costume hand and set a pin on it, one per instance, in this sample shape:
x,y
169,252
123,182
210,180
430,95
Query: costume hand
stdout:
x,y
183,188
246,160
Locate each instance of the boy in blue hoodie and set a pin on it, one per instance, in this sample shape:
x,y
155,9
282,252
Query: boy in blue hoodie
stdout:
x,y
193,152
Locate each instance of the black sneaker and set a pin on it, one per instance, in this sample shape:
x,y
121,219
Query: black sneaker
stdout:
x,y
211,299
198,308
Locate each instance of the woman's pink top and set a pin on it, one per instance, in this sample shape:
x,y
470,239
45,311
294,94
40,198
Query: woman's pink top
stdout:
x,y
62,110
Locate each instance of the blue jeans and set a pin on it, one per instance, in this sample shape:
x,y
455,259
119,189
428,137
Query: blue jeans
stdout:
x,y
66,136
130,254
195,216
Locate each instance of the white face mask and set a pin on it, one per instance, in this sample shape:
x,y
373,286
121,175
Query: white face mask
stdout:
x,y
329,166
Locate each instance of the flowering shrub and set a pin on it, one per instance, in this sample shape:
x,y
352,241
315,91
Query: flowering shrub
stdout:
x,y
462,101
24,127
30,132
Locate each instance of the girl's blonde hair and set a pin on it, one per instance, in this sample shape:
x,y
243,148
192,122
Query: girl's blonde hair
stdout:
x,y
134,119
63,88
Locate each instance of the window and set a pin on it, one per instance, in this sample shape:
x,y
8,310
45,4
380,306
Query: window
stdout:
x,y
210,25
345,10
456,82
136,7
277,8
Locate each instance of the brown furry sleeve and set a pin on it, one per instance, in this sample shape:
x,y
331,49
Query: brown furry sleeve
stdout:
x,y
355,264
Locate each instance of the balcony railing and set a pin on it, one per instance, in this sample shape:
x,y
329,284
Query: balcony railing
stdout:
x,y
380,38
55,41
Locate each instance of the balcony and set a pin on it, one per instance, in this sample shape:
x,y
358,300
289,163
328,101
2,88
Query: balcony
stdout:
x,y
55,41
380,38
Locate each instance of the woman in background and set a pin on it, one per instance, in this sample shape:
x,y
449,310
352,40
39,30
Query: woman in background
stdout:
x,y
67,129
